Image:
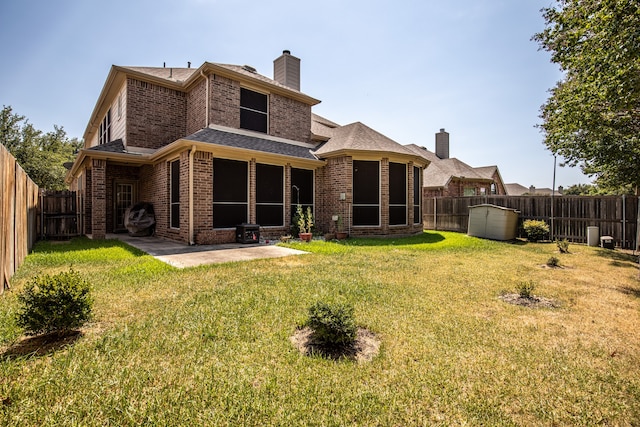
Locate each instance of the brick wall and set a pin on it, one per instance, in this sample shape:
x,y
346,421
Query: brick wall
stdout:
x,y
384,195
88,202
289,118
225,101
332,180
196,106
154,188
98,191
156,116
203,192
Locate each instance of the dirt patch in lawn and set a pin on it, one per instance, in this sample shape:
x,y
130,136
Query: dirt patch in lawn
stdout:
x,y
364,349
532,301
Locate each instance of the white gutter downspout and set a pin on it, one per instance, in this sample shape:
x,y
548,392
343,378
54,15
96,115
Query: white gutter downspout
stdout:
x,y
191,156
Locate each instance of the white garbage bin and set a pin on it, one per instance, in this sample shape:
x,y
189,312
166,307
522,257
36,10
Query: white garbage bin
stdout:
x,y
593,236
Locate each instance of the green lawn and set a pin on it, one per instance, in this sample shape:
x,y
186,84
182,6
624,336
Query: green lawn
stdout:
x,y
210,345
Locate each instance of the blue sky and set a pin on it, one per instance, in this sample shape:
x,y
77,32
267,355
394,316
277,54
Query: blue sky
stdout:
x,y
405,68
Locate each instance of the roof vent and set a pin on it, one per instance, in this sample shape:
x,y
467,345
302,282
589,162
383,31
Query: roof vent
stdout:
x,y
249,68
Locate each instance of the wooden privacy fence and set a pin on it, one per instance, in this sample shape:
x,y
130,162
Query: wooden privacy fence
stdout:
x,y
567,216
58,214
18,205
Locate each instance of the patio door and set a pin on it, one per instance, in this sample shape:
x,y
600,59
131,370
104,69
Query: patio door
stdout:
x,y
124,197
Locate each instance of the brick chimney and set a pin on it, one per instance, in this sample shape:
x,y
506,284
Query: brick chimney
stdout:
x,y
442,144
286,70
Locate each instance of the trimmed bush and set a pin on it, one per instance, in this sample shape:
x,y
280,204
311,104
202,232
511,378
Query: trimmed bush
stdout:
x,y
563,246
58,303
535,230
525,289
553,261
333,324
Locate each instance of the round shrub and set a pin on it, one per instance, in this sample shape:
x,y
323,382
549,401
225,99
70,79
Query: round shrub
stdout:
x,y
535,230
58,303
333,324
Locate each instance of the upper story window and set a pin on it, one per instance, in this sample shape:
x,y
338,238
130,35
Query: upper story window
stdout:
x,y
104,132
253,110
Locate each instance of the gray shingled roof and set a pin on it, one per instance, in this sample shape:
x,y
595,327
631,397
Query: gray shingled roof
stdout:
x,y
359,137
247,142
116,146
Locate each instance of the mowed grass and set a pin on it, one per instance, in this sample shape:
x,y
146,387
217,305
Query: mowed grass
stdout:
x,y
211,345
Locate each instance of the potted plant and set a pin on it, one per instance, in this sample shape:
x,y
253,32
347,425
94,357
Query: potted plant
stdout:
x,y
340,233
305,222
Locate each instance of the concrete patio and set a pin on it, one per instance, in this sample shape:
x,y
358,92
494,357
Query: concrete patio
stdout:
x,y
181,256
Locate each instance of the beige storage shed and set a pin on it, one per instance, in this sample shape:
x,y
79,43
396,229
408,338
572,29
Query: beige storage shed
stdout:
x,y
493,222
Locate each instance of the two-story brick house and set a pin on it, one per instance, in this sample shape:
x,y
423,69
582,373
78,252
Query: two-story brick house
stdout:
x,y
220,145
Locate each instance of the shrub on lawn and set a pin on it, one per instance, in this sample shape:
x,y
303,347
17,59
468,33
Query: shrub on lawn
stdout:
x,y
58,303
525,289
333,324
535,230
553,261
563,246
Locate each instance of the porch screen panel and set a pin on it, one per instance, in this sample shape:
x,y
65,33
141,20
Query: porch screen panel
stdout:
x,y
230,193
269,195
366,192
397,194
301,189
417,196
175,194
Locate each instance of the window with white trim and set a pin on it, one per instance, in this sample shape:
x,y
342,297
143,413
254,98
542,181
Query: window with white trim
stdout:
x,y
104,131
254,110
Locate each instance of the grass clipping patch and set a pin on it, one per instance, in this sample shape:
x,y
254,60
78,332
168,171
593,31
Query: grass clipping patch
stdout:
x,y
363,349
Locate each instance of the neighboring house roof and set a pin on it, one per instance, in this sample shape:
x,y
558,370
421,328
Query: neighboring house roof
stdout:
x,y
487,171
359,137
441,171
239,139
515,189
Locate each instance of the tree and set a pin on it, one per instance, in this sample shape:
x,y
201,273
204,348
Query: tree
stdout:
x,y
41,155
592,117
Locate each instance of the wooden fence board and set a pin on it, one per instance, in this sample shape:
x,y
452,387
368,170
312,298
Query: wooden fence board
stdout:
x,y
18,206
616,216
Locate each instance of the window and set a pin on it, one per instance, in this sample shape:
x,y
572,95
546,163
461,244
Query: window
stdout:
x,y
469,191
120,107
417,196
301,189
104,131
230,193
366,192
269,195
493,188
397,194
175,194
253,110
